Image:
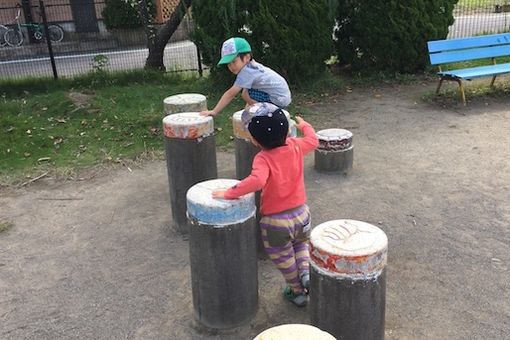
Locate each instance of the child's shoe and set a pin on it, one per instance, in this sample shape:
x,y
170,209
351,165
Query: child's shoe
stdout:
x,y
299,300
305,281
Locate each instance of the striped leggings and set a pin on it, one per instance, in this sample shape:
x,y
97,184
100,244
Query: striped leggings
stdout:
x,y
285,237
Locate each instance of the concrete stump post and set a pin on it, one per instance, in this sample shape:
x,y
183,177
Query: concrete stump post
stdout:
x,y
185,102
223,256
293,332
190,158
335,151
348,279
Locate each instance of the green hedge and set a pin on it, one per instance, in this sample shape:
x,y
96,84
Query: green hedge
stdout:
x,y
293,37
119,14
390,35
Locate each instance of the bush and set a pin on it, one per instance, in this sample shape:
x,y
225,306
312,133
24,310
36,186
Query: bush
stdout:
x,y
119,14
390,35
293,37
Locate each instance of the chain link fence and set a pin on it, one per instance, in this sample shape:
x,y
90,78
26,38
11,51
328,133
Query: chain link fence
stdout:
x,y
87,44
477,17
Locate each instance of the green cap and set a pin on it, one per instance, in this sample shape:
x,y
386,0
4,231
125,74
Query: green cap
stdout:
x,y
231,48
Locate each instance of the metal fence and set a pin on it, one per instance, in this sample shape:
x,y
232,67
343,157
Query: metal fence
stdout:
x,y
87,43
476,17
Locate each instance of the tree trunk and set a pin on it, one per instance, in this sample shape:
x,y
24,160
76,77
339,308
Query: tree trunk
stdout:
x,y
158,38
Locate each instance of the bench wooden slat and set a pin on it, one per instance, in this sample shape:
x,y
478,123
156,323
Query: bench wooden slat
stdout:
x,y
466,49
476,72
469,54
464,43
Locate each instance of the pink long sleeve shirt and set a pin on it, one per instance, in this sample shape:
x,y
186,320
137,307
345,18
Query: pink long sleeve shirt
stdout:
x,y
279,173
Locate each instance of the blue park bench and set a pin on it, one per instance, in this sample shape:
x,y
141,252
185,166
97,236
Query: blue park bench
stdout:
x,y
465,49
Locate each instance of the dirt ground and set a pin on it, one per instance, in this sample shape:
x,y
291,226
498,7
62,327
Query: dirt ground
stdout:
x,y
96,259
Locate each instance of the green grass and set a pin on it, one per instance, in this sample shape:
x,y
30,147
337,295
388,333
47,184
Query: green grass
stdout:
x,y
49,125
449,95
4,226
478,4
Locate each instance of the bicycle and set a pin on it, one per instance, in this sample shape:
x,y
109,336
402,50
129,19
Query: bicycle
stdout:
x,y
14,36
3,29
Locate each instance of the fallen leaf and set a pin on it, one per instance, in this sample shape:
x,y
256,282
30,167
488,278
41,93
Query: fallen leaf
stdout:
x,y
44,159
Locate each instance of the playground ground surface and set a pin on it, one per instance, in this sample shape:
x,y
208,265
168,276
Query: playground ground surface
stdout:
x,y
95,259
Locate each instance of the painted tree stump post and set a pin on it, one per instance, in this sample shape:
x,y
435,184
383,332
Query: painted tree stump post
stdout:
x,y
245,151
294,331
185,102
335,151
190,158
223,256
348,279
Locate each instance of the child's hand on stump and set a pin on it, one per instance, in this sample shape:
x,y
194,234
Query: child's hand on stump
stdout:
x,y
208,113
219,193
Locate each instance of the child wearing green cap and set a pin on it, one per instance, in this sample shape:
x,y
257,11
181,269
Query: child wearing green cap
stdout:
x,y
257,82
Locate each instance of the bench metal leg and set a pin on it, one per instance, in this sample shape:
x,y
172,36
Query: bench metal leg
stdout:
x,y
461,89
492,82
439,85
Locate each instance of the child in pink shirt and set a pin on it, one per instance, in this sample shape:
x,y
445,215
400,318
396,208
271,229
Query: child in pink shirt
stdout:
x,y
277,170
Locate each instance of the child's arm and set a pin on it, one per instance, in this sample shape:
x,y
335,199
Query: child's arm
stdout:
x,y
224,101
254,182
310,141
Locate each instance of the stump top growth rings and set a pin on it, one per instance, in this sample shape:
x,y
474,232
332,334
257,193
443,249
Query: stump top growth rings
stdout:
x,y
185,102
205,209
188,125
334,139
348,248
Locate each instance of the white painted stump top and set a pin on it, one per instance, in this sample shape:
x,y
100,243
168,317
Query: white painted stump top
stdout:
x,y
185,102
348,247
188,125
205,209
294,332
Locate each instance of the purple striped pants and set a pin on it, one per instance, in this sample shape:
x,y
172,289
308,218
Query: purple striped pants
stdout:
x,y
285,237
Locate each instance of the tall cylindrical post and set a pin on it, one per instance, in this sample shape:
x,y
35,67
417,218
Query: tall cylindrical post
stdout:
x,y
348,279
335,151
223,256
185,102
245,151
190,158
294,331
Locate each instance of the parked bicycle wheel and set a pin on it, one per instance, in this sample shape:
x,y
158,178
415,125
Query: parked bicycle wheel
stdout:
x,y
3,29
13,37
56,33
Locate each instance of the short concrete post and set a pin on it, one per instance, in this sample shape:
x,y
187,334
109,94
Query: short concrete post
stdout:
x,y
348,279
245,151
223,256
335,151
185,102
294,331
190,158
